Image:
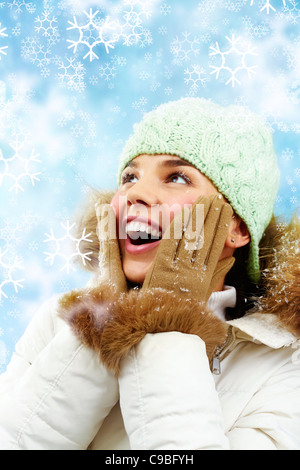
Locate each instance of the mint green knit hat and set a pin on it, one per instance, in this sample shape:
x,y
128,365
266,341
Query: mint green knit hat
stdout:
x,y
230,145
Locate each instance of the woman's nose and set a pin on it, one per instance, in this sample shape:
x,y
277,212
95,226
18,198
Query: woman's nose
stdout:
x,y
142,192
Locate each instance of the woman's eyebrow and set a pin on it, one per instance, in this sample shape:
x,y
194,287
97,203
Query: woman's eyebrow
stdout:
x,y
175,163
166,163
131,164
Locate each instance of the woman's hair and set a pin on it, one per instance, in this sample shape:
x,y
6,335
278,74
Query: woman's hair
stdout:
x,y
248,292
238,278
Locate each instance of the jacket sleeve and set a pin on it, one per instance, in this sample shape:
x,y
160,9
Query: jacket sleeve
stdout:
x,y
39,332
55,393
160,346
271,419
168,397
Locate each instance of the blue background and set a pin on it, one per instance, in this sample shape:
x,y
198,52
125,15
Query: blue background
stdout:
x,y
74,78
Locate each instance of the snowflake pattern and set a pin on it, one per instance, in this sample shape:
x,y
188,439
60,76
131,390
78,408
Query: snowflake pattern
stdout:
x,y
76,75
2,35
195,76
238,48
184,49
93,33
61,247
268,6
71,74
18,6
17,167
46,26
8,268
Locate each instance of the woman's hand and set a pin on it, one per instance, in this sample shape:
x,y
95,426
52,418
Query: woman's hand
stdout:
x,y
110,264
82,307
188,258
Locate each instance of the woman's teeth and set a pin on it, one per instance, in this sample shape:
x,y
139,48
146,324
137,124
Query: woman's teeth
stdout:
x,y
137,230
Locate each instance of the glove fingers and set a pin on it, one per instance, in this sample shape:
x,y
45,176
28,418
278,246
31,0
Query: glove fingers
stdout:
x,y
163,264
167,259
192,243
106,231
218,234
169,245
109,254
212,211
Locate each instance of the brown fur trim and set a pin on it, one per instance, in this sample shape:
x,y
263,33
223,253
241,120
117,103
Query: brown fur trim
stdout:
x,y
86,220
281,278
156,311
87,311
114,327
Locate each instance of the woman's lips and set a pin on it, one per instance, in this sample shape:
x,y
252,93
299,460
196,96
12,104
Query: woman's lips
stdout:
x,y
135,227
139,249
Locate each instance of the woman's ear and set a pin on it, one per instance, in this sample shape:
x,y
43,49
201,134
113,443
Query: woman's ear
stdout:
x,y
238,234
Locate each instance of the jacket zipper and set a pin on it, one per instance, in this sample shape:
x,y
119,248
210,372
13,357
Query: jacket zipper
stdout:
x,y
216,362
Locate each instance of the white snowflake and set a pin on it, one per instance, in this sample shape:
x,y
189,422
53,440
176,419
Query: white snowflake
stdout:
x,y
195,76
63,249
8,267
132,31
11,234
143,5
183,49
37,53
107,71
267,6
71,75
293,200
290,13
46,25
17,6
3,35
17,167
93,33
287,154
165,9
239,51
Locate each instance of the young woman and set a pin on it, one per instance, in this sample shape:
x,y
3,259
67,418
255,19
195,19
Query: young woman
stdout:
x,y
187,336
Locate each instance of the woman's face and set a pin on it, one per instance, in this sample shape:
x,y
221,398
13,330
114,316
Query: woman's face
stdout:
x,y
153,189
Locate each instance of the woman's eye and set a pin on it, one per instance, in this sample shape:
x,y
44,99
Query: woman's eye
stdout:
x,y
179,178
129,178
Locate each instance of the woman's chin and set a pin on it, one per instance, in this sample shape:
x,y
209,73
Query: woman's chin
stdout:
x,y
136,272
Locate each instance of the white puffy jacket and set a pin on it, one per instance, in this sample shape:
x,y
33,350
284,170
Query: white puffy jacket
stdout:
x,y
57,395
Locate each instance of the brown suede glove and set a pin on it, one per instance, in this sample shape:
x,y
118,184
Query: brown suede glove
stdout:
x,y
173,296
110,263
189,264
84,306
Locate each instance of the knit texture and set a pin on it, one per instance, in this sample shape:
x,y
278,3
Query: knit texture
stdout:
x,y
230,145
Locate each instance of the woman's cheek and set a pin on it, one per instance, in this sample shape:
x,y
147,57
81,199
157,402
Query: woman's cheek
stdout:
x,y
177,205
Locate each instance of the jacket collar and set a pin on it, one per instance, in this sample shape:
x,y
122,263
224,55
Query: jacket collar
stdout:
x,y
265,329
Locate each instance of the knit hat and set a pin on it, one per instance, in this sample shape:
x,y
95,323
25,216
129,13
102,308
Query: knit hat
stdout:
x,y
230,145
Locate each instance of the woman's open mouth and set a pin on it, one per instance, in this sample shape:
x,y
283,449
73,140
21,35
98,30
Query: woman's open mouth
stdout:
x,y
141,236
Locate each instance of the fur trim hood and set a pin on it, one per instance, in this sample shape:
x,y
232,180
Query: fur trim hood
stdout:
x,y
279,287
280,254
